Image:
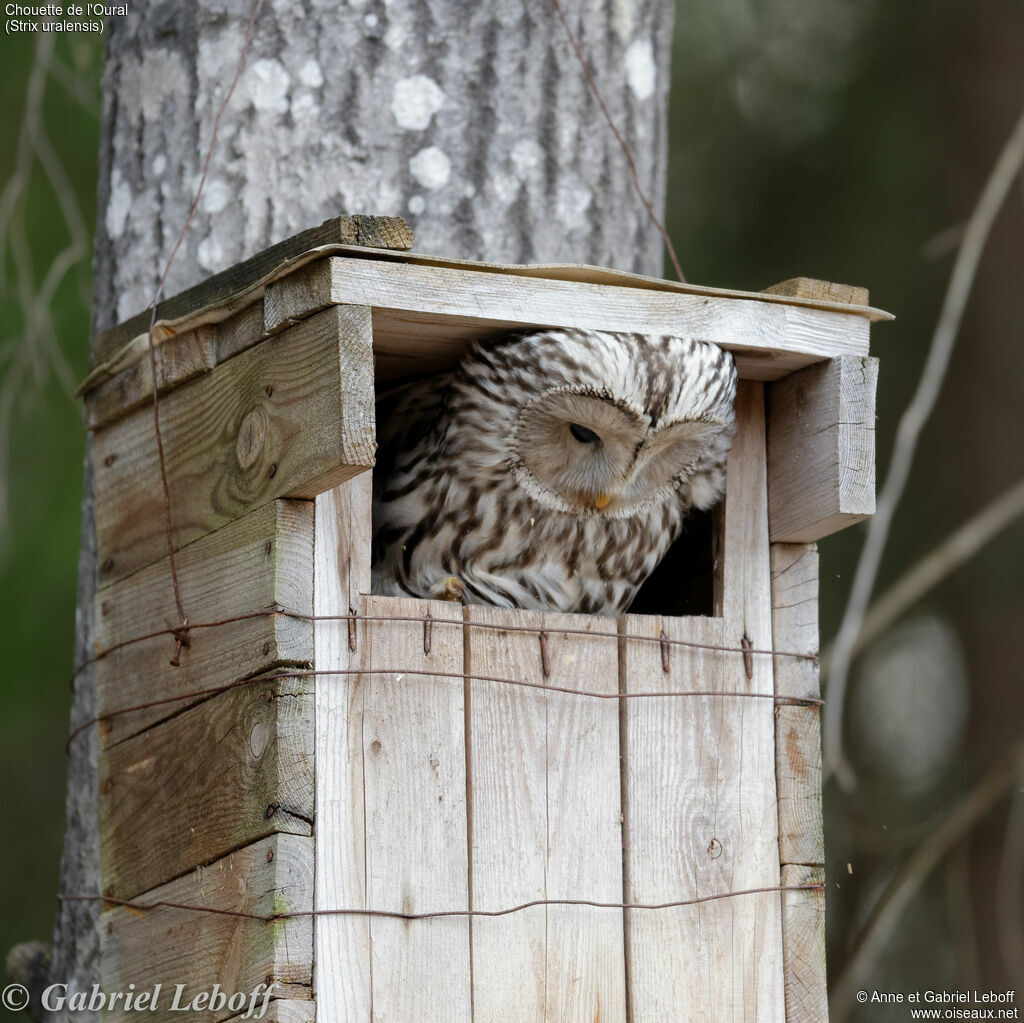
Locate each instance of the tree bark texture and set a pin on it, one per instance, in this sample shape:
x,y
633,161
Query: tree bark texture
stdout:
x,y
474,121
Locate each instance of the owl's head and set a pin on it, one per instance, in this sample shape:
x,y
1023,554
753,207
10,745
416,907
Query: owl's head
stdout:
x,y
610,424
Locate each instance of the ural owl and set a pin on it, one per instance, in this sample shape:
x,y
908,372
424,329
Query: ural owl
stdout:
x,y
550,470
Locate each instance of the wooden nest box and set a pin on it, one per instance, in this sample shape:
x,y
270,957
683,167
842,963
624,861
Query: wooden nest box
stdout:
x,y
335,759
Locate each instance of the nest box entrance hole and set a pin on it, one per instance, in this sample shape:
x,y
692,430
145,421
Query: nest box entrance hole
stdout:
x,y
688,579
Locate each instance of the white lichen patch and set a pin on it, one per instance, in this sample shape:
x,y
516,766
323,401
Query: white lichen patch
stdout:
x,y
431,167
209,254
416,204
268,84
623,18
310,75
305,107
641,70
415,100
216,195
159,165
119,204
527,157
572,200
147,86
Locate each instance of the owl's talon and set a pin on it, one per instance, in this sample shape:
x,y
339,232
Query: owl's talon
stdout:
x,y
453,589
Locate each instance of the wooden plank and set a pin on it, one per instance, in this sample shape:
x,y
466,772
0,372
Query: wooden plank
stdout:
x,y
544,786
797,728
379,232
218,776
284,1011
341,574
414,787
178,360
170,946
417,304
821,449
699,783
585,966
297,296
821,291
803,929
293,416
262,560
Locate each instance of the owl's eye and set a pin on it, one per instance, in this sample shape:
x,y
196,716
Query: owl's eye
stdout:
x,y
583,435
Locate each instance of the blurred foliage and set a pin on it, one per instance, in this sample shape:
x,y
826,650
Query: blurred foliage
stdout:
x,y
43,448
840,139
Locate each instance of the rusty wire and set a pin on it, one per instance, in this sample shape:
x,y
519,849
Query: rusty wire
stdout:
x,y
436,914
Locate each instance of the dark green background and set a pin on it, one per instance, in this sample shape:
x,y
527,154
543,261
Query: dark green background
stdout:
x,y
826,139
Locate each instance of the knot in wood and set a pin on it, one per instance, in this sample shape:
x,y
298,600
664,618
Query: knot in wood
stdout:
x,y
714,848
252,435
258,737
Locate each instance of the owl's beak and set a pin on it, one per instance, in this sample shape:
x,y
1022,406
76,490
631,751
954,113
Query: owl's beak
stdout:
x,y
602,500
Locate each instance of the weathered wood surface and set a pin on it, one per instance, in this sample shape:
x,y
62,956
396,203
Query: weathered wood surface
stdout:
x,y
169,946
481,303
261,561
285,1011
290,417
803,928
821,449
797,728
425,316
545,820
341,574
217,776
699,783
822,291
178,360
413,753
379,232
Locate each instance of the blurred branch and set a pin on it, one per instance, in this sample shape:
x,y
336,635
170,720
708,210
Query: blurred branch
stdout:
x,y
1010,886
888,911
908,433
956,550
36,352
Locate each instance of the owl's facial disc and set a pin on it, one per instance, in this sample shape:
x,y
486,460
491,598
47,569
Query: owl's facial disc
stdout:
x,y
576,452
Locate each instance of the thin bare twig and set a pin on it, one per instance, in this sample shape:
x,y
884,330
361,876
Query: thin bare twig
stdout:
x,y
908,433
888,911
956,550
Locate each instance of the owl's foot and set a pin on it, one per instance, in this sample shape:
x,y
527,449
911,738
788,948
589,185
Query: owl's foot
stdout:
x,y
452,589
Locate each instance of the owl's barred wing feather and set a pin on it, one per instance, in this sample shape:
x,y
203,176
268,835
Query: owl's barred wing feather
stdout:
x,y
550,470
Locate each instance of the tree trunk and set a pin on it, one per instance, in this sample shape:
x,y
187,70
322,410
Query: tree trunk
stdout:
x,y
474,121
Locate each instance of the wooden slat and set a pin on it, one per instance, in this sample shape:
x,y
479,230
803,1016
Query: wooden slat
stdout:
x,y
178,360
803,927
414,787
297,296
170,946
341,574
379,232
218,776
290,417
822,291
284,1011
546,821
699,783
797,728
821,449
448,308
262,560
